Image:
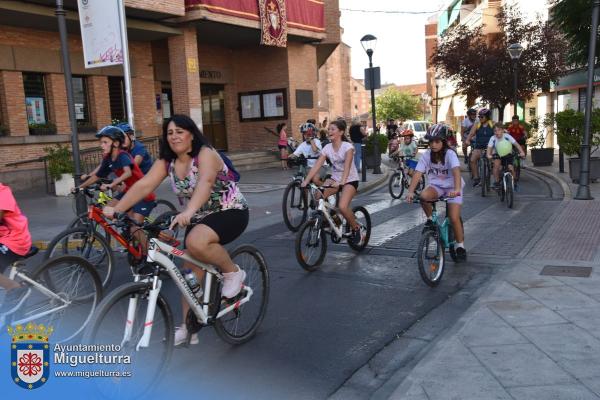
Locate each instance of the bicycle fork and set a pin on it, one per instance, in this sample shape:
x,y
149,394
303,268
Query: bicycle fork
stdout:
x,y
149,319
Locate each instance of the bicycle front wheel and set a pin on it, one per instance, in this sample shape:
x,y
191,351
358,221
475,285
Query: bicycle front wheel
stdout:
x,y
311,244
82,220
294,206
76,292
482,176
430,257
84,242
241,324
120,320
508,182
396,185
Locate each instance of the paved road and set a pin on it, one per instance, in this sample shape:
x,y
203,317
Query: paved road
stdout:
x,y
323,327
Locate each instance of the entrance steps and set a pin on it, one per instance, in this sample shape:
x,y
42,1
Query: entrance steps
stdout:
x,y
253,160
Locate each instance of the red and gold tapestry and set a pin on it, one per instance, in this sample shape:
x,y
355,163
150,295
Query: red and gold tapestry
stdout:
x,y
273,22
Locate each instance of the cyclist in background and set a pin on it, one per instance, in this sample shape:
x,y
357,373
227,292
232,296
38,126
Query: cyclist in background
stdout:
x,y
311,149
465,130
344,177
136,148
480,134
408,149
442,167
500,149
15,242
518,132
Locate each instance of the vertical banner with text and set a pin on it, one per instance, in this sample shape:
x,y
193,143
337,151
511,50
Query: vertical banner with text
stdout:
x,y
100,32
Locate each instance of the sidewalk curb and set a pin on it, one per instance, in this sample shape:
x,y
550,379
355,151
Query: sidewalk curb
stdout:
x,y
568,195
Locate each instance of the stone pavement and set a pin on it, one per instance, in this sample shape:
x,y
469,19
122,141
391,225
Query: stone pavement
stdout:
x,y
529,335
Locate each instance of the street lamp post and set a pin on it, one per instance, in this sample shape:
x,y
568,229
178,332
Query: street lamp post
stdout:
x,y
515,50
437,99
368,43
583,190
425,98
60,12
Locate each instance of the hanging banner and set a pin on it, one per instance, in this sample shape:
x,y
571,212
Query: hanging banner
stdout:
x,y
100,33
273,23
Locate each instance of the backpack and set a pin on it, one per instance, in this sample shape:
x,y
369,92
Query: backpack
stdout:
x,y
233,174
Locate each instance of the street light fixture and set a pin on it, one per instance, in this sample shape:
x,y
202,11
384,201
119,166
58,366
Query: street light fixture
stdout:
x,y
438,81
368,43
515,50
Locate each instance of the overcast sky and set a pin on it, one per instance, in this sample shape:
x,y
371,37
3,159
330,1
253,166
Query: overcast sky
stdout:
x,y
400,48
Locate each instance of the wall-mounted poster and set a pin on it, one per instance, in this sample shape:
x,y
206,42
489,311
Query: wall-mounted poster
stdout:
x,y
250,106
35,110
273,105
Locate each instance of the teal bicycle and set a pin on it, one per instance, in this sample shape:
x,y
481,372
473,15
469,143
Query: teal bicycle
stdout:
x,y
436,237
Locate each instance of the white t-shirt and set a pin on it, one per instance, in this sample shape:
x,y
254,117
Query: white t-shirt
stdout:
x,y
494,140
338,159
439,175
306,150
466,127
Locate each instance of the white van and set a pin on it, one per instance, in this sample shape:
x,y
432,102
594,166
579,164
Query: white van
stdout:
x,y
419,128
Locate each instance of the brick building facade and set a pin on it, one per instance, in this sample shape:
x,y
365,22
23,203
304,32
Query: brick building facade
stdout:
x,y
197,57
335,85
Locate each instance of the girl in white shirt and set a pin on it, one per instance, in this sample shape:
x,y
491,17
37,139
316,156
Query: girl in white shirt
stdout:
x,y
344,175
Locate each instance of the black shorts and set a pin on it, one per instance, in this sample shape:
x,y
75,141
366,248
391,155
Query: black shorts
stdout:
x,y
353,183
228,224
506,160
522,142
282,146
7,257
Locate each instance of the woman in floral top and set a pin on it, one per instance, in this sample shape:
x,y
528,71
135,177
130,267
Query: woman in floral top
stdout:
x,y
201,180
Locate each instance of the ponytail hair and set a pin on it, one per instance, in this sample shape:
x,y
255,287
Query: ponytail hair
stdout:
x,y
341,125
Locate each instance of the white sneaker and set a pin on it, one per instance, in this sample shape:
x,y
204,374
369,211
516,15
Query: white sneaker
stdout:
x,y
232,282
181,336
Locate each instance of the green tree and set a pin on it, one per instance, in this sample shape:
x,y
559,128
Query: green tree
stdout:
x,y
574,19
394,104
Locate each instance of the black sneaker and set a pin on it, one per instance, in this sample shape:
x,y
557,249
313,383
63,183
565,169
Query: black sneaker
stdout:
x,y
476,182
461,254
13,299
355,237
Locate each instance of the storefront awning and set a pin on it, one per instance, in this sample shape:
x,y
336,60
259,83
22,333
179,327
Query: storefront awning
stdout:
x,y
459,106
443,109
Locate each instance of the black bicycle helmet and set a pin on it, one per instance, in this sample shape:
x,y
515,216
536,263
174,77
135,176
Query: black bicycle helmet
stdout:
x,y
112,132
308,127
437,131
471,111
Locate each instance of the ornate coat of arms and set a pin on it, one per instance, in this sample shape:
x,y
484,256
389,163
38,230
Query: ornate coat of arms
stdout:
x,y
30,355
273,21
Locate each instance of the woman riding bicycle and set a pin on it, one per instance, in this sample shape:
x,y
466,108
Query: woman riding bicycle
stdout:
x,y
340,153
15,242
199,175
481,131
442,167
500,149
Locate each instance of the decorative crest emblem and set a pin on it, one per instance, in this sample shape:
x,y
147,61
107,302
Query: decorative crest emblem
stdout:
x,y
30,355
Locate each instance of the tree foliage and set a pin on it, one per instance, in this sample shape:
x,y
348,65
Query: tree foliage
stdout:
x,y
574,19
480,66
394,104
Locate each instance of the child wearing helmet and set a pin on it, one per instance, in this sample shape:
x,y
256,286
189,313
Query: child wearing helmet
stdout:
x,y
408,149
500,149
442,167
119,162
136,148
481,132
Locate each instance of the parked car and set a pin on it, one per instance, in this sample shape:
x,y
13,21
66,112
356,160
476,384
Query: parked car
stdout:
x,y
420,129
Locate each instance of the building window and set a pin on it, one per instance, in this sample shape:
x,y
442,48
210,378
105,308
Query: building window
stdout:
x,y
35,99
263,105
80,99
116,95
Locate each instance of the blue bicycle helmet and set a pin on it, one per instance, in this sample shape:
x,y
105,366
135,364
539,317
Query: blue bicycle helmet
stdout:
x,y
307,127
125,127
112,132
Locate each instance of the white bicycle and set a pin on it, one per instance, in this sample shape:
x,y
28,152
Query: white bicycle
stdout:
x,y
137,316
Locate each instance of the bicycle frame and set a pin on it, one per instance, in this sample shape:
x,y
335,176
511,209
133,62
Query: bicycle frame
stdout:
x,y
444,227
324,208
95,214
157,253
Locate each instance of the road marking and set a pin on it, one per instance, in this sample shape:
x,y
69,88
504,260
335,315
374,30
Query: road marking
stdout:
x,y
396,226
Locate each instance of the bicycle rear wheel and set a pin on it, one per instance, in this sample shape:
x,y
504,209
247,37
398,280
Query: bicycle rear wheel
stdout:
x,y
77,284
162,206
241,324
481,167
311,244
508,181
109,325
364,220
84,242
430,257
396,185
294,206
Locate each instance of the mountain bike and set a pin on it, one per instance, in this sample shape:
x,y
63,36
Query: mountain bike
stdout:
x,y
311,239
506,191
483,166
400,179
62,293
298,201
137,315
436,237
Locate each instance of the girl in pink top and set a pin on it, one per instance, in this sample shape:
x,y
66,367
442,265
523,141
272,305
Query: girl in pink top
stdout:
x,y
15,241
344,175
282,144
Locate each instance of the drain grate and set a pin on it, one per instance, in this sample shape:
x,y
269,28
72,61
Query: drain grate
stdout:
x,y
559,270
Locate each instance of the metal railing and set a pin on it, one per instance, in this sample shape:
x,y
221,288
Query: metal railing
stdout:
x,y
89,159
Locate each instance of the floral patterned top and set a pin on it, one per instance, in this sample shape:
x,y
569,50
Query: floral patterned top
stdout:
x,y
225,193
